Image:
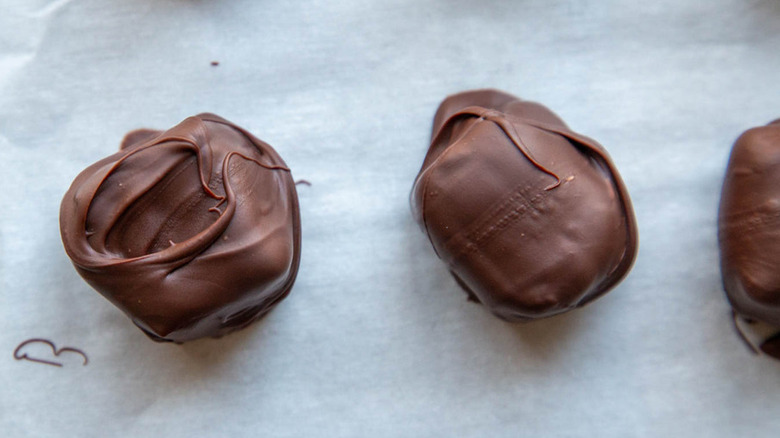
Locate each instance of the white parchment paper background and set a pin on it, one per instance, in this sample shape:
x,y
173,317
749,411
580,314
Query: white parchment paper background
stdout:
x,y
376,339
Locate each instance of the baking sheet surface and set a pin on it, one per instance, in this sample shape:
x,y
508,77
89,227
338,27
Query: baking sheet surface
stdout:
x,y
376,339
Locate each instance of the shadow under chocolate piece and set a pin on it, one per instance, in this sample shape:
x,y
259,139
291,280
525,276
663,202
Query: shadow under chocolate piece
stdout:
x,y
192,232
531,218
749,230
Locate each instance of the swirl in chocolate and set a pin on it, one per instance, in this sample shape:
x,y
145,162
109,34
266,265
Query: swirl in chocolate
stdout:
x,y
192,232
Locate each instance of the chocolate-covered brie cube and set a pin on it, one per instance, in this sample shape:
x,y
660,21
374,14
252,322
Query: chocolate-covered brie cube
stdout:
x,y
749,229
531,218
192,232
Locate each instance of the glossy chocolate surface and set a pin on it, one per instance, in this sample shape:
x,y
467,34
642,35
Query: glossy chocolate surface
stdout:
x,y
531,218
192,232
749,227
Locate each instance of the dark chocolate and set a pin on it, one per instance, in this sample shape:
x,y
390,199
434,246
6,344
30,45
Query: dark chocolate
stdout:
x,y
749,228
531,218
192,232
771,346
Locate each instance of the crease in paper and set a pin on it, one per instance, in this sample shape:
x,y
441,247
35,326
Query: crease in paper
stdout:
x,y
12,64
48,9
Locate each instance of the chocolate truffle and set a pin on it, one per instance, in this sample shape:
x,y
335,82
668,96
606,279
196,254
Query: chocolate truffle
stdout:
x,y
749,229
531,218
192,232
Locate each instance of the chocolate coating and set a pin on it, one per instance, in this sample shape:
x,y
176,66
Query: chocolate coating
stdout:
x,y
749,227
531,218
191,232
771,346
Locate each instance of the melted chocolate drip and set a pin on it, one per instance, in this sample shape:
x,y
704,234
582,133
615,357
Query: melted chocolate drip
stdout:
x,y
19,355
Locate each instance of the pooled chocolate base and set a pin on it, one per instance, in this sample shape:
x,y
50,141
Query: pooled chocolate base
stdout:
x,y
771,347
531,218
192,232
749,229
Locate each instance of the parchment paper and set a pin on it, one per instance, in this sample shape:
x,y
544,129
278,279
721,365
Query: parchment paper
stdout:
x,y
376,339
